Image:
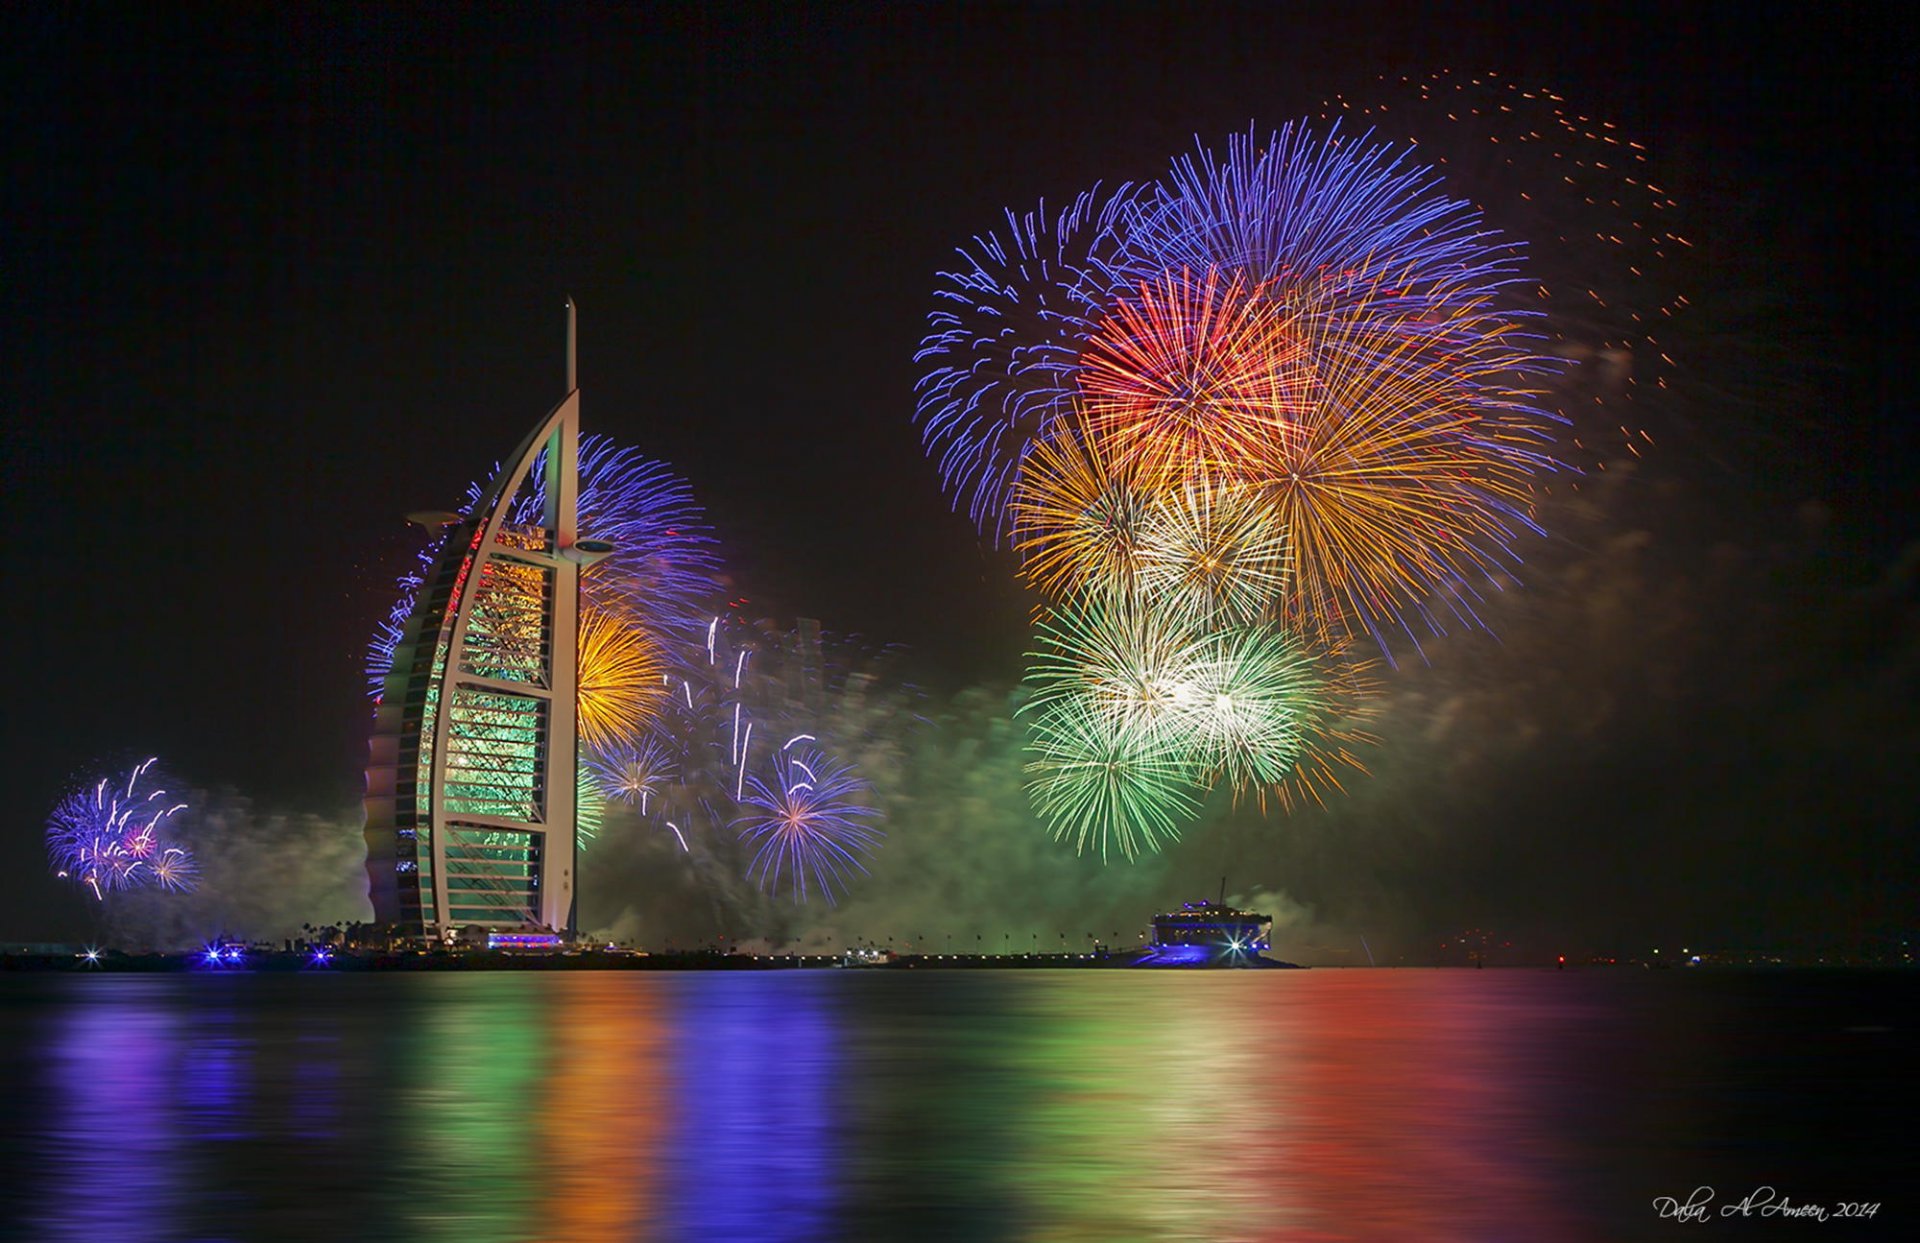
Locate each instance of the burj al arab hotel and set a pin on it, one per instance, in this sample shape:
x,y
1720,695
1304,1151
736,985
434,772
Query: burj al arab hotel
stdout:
x,y
471,772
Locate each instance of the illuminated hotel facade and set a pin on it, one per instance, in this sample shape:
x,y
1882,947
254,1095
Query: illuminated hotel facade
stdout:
x,y
471,768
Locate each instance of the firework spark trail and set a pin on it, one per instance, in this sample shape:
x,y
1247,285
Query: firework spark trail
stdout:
x,y
703,762
1304,210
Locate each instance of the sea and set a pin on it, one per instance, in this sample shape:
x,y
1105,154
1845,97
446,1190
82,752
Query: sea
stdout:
x,y
1047,1105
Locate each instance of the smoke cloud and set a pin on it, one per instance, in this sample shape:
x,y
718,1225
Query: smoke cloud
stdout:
x,y
262,875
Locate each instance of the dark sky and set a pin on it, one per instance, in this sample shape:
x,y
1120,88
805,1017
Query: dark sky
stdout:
x,y
272,276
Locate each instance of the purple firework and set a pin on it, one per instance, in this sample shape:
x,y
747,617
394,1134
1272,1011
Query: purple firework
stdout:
x,y
806,824
636,773
663,565
1002,345
112,836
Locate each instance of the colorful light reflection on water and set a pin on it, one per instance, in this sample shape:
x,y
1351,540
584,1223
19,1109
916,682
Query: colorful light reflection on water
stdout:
x,y
576,1107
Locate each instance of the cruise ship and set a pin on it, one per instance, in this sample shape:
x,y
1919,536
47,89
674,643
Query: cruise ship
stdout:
x,y
1208,934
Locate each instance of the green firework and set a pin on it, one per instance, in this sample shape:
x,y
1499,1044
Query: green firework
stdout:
x,y
1103,781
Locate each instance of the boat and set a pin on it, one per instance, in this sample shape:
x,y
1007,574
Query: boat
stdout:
x,y
1208,934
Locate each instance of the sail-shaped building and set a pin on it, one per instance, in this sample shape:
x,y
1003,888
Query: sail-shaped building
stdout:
x,y
471,773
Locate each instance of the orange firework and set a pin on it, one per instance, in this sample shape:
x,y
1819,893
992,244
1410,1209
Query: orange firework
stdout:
x,y
620,677
1411,467
1385,436
1080,512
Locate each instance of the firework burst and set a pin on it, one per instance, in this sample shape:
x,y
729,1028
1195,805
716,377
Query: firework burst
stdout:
x,y
1003,341
806,824
1605,243
1188,372
621,676
1214,551
113,836
634,773
1258,701
1122,659
1079,516
663,569
1106,781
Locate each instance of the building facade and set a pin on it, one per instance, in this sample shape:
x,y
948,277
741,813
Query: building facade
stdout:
x,y
471,770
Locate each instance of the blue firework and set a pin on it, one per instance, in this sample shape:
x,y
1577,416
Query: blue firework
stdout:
x,y
1003,341
665,562
806,825
1296,207
115,835
637,773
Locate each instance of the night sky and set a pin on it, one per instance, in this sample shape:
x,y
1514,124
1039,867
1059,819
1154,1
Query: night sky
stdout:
x,y
272,277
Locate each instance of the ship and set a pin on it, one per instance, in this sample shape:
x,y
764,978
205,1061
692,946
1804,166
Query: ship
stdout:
x,y
1209,934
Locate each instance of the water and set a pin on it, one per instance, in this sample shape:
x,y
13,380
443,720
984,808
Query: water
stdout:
x,y
1043,1105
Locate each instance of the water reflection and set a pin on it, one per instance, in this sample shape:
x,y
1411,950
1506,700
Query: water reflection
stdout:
x,y
1145,1126
111,1147
1406,1104
756,1151
568,1108
604,1113
466,1147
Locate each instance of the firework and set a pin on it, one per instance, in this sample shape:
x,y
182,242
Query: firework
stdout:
x,y
1307,316
1287,397
1258,701
1188,371
634,773
1105,780
1604,242
113,836
1002,344
589,806
1410,479
1079,516
1120,657
663,566
806,824
1297,211
1213,551
1366,364
621,676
